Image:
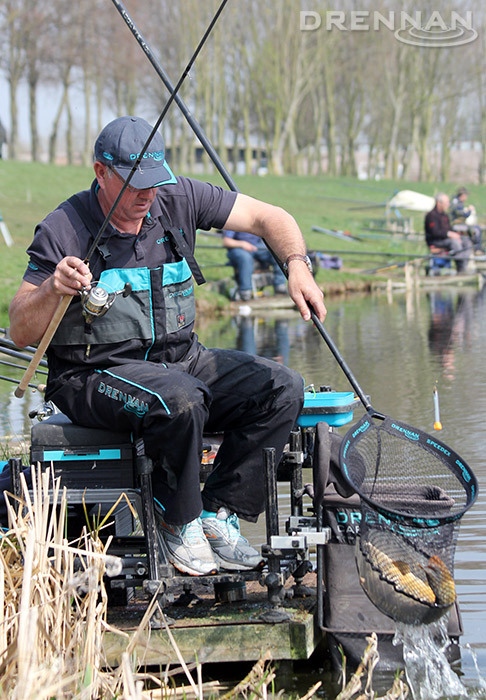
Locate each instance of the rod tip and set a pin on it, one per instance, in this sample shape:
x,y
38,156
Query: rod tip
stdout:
x,y
437,425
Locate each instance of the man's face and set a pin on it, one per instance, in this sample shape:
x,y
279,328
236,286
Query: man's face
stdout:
x,y
134,204
443,204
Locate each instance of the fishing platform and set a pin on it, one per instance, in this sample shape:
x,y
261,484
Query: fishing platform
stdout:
x,y
307,594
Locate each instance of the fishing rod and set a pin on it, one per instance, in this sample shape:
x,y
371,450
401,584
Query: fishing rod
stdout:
x,y
231,184
14,366
390,231
20,355
342,235
371,253
392,266
195,126
205,142
66,300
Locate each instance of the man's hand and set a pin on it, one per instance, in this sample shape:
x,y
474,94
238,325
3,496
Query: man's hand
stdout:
x,y
33,306
303,290
246,245
70,275
453,234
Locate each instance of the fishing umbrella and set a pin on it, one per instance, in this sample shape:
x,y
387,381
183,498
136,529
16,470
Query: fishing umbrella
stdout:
x,y
413,201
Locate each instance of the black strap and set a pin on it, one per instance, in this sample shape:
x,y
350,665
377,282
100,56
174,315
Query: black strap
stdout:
x,y
184,251
85,216
177,237
182,247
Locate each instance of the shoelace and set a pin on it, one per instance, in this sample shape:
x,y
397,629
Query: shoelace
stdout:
x,y
192,532
233,525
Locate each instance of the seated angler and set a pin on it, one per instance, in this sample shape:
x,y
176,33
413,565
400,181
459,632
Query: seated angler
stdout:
x,y
244,250
440,236
463,216
145,346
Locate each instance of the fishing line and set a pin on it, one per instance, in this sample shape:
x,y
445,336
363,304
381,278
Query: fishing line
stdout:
x,y
154,131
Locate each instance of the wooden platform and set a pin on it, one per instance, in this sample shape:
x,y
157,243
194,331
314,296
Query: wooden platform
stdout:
x,y
280,302
207,631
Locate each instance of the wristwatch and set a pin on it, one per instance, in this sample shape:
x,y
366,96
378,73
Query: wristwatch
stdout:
x,y
298,256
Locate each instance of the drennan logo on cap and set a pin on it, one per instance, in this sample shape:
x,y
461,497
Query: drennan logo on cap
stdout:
x,y
155,155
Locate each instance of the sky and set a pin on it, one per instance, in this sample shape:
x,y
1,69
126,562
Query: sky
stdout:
x,y
47,104
46,107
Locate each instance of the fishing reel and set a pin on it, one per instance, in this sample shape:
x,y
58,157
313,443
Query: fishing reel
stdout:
x,y
96,301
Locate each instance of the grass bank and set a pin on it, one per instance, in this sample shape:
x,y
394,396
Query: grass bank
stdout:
x,y
29,191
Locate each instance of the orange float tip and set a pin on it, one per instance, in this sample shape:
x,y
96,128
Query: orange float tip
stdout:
x,y
437,425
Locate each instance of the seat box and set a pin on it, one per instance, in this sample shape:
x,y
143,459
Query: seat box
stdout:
x,y
84,457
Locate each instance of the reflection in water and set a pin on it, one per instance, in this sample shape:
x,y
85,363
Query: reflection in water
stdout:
x,y
257,337
399,349
451,320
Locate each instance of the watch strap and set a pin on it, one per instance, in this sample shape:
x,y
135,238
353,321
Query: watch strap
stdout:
x,y
297,256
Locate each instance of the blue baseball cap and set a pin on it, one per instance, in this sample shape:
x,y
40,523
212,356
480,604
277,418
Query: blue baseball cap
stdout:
x,y
119,145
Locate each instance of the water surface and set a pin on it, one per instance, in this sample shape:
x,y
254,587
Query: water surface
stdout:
x,y
400,347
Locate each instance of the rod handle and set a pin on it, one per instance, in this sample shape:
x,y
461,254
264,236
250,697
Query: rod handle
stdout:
x,y
42,347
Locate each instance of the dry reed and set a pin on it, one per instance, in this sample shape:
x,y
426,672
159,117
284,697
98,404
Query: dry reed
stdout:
x,y
53,606
53,613
53,617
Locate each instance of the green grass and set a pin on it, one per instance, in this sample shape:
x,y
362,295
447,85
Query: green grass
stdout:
x,y
29,191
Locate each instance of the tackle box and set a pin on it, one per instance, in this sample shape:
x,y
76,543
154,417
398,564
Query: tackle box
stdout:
x,y
83,457
332,407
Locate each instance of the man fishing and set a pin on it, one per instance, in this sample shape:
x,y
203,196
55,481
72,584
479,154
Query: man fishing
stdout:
x,y
139,367
439,234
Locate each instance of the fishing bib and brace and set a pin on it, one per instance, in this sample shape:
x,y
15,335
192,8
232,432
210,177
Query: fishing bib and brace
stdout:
x,y
158,312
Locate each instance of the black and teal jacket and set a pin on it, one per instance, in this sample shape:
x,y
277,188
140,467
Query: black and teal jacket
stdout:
x,y
155,322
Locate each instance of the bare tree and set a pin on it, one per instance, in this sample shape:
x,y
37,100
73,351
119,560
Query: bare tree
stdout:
x,y
12,15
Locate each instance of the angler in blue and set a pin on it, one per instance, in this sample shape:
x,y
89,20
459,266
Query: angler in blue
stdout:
x,y
140,367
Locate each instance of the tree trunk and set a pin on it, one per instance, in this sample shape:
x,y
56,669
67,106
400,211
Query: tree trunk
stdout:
x,y
34,134
14,121
55,126
331,128
85,155
397,98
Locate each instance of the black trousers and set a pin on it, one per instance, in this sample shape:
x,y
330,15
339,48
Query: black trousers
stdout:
x,y
254,401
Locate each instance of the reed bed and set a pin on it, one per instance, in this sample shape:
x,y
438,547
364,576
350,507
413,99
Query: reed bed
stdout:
x,y
53,615
53,609
53,619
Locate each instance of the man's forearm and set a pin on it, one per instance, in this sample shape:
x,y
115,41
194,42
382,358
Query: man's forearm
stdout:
x,y
275,225
31,311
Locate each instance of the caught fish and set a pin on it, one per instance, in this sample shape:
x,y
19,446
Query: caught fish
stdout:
x,y
412,584
440,580
401,575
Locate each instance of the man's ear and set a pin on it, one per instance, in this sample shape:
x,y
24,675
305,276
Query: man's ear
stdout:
x,y
100,172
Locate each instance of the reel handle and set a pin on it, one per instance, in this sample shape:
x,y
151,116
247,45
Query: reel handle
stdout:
x,y
42,347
